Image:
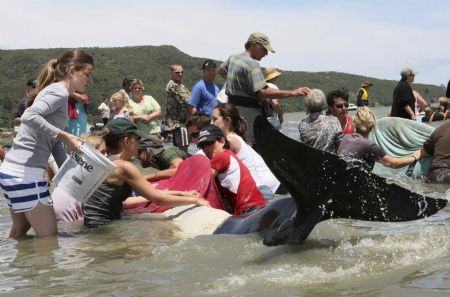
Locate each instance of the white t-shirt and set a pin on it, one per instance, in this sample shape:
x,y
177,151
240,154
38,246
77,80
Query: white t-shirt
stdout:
x,y
105,111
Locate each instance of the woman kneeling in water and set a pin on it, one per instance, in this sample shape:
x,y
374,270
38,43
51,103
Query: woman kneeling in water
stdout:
x,y
105,204
235,182
357,149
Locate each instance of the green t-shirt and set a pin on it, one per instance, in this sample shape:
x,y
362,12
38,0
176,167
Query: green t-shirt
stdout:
x,y
168,155
150,105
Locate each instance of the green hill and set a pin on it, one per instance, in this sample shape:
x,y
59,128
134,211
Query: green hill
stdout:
x,y
151,65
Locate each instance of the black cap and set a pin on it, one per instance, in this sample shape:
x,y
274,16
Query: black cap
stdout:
x,y
209,133
122,126
32,83
209,64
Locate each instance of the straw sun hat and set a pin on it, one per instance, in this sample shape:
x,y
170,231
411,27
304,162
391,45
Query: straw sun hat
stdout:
x,y
271,73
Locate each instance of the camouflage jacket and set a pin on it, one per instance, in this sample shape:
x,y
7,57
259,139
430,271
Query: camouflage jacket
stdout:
x,y
177,111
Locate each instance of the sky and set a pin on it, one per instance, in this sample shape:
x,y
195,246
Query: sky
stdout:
x,y
370,38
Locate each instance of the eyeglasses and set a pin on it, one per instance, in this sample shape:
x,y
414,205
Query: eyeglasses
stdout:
x,y
178,72
341,105
195,134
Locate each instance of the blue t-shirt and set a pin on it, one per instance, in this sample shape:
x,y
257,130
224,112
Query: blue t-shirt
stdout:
x,y
78,126
204,97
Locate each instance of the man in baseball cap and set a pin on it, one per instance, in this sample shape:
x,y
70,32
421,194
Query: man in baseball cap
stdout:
x,y
246,87
20,109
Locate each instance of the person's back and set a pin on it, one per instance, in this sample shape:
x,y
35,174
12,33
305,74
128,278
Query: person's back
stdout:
x,y
439,146
321,132
358,150
256,165
236,183
105,204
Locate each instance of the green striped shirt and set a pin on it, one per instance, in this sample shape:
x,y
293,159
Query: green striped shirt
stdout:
x,y
244,76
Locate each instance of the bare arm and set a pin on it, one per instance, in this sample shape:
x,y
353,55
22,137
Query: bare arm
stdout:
x,y
80,97
130,174
399,162
192,109
281,94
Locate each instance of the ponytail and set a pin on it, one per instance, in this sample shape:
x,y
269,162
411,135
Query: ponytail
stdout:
x,y
45,77
238,124
56,69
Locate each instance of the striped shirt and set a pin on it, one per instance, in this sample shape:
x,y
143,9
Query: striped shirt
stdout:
x,y
244,76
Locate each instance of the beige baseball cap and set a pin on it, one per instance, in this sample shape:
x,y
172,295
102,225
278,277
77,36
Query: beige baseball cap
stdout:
x,y
262,39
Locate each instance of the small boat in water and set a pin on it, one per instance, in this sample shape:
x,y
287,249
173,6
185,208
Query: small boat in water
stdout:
x,y
351,106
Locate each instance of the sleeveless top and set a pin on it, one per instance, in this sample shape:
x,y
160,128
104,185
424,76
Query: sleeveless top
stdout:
x,y
256,165
105,204
365,95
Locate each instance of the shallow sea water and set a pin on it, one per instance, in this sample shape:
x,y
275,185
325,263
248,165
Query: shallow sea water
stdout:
x,y
142,256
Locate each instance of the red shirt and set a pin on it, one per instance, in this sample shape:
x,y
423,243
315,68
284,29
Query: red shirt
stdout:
x,y
235,182
348,126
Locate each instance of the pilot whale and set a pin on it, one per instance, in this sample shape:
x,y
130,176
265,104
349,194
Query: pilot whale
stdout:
x,y
321,187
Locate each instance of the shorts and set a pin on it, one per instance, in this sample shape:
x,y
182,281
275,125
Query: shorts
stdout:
x,y
23,193
180,137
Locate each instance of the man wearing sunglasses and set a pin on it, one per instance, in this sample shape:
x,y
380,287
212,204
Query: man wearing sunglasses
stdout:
x,y
246,87
177,111
337,102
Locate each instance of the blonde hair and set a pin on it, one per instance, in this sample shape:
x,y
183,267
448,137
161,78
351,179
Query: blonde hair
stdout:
x,y
136,82
173,66
93,138
364,121
122,97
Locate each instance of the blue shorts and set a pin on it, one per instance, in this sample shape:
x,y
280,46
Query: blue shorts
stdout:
x,y
23,193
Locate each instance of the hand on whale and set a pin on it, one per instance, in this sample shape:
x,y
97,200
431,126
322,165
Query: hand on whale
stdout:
x,y
323,187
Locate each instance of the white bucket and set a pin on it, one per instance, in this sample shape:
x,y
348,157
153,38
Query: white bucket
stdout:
x,y
81,175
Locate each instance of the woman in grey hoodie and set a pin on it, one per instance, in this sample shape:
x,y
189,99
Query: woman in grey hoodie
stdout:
x,y
40,134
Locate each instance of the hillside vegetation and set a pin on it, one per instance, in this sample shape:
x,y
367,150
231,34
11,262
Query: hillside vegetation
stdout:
x,y
151,65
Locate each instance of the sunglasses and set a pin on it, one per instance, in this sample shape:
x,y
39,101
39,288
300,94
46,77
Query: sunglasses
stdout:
x,y
341,105
178,72
195,134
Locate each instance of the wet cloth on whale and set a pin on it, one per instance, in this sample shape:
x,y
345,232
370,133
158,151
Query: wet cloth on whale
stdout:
x,y
400,137
194,173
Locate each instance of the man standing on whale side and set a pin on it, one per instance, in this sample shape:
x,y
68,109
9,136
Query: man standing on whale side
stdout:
x,y
245,84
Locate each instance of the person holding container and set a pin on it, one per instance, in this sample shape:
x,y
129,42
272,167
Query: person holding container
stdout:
x,y
40,134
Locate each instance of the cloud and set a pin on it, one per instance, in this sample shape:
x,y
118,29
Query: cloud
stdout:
x,y
373,38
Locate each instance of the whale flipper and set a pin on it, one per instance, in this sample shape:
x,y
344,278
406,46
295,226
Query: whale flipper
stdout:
x,y
323,187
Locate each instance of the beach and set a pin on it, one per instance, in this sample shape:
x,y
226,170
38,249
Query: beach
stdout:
x,y
142,255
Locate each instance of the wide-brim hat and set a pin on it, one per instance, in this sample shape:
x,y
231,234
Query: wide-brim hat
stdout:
x,y
271,73
443,100
262,39
366,84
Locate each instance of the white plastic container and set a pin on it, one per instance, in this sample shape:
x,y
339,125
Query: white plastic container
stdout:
x,y
81,175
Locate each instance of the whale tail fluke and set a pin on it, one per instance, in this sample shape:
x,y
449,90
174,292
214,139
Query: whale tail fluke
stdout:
x,y
323,187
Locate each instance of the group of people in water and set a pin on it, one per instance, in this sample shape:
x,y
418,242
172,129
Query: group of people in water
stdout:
x,y
242,182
